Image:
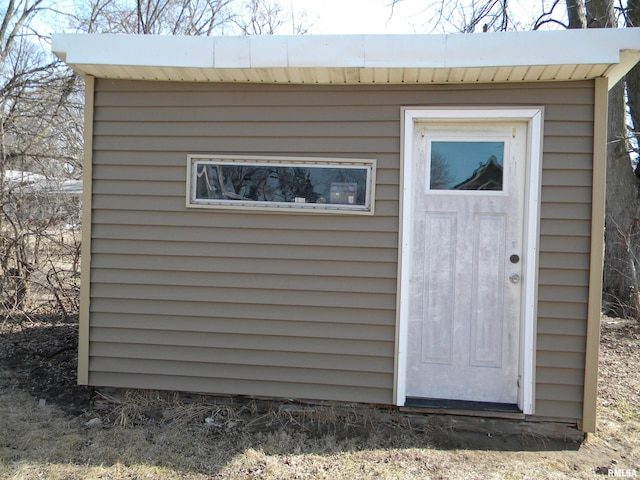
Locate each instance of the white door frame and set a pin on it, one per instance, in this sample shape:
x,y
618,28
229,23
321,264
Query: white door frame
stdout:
x,y
533,116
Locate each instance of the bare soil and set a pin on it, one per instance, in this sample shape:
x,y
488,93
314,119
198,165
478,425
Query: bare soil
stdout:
x,y
42,354
53,429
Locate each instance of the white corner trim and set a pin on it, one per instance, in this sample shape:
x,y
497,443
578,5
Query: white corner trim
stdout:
x,y
534,118
406,211
532,226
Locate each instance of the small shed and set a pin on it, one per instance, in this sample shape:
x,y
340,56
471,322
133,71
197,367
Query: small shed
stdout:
x,y
411,220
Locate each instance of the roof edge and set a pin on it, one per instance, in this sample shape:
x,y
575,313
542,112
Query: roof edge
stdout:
x,y
619,49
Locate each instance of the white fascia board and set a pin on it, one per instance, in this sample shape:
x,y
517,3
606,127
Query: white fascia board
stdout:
x,y
270,52
232,52
408,51
500,49
134,50
308,51
535,48
478,50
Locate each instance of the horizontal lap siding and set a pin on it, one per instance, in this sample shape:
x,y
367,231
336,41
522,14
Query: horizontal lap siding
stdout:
x,y
296,305
286,305
565,243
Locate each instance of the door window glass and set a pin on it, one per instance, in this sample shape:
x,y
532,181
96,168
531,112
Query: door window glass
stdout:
x,y
466,165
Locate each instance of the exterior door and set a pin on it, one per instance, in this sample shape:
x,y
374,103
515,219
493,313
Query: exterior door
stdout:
x,y
465,279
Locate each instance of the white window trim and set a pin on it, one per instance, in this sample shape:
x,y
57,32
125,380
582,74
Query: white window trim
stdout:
x,y
534,118
265,206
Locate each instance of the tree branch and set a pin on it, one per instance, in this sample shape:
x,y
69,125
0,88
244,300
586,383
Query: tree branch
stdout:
x,y
550,20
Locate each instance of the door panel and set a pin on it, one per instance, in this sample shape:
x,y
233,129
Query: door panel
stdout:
x,y
439,288
464,312
487,285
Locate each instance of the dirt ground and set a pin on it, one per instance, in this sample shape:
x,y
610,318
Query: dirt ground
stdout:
x,y
50,428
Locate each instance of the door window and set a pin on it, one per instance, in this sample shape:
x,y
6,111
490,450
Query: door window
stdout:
x,y
466,165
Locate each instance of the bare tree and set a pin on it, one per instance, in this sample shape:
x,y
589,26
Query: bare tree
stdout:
x,y
17,15
40,138
41,129
621,281
260,17
441,176
466,16
575,10
189,17
268,17
160,17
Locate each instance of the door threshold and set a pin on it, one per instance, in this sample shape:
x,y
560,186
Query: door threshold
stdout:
x,y
442,404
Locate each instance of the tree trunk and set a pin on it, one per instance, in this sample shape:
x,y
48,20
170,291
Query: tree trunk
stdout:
x,y
576,13
633,77
620,281
600,14
620,286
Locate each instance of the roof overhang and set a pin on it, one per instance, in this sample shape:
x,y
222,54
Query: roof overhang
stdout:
x,y
357,59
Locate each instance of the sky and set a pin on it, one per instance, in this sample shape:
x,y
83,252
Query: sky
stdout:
x,y
362,16
328,17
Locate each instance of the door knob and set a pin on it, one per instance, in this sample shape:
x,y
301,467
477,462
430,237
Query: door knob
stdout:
x,y
514,278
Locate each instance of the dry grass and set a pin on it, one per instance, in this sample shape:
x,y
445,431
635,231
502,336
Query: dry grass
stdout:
x,y
148,435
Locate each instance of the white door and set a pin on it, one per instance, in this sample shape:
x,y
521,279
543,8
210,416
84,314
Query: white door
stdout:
x,y
466,249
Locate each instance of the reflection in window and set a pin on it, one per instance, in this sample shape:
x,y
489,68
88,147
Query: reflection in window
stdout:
x,y
468,165
304,185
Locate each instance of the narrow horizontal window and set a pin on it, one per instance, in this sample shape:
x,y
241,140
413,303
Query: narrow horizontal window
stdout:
x,y
278,183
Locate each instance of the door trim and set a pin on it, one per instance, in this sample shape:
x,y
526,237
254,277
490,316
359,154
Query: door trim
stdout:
x,y
533,116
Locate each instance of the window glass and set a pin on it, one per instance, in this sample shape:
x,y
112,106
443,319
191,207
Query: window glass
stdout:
x,y
464,165
281,184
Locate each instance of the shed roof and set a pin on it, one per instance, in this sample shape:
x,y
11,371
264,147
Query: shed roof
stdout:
x,y
357,59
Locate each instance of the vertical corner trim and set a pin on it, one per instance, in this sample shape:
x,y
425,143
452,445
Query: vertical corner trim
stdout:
x,y
399,373
85,262
598,188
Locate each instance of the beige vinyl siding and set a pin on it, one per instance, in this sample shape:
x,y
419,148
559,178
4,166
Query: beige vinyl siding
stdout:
x,y
292,304
565,244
